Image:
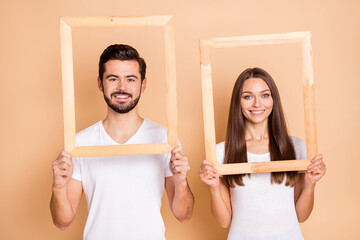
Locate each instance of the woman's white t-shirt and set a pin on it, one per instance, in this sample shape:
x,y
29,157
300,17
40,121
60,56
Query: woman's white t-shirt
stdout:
x,y
261,210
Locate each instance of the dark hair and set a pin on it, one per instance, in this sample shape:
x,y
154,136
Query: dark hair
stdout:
x,y
121,52
280,144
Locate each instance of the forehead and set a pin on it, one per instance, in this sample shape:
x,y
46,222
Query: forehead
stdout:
x,y
255,85
122,67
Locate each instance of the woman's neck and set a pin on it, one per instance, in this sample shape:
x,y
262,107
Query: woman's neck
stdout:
x,y
256,131
257,137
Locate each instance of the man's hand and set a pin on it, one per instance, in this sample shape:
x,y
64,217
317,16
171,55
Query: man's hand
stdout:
x,y
179,164
62,170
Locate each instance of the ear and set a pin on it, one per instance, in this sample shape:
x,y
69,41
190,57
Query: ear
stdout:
x,y
100,86
143,85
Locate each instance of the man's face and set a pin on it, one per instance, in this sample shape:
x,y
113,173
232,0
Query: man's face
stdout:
x,y
122,85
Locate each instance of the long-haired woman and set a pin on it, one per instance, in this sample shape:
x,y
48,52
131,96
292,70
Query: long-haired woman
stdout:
x,y
262,205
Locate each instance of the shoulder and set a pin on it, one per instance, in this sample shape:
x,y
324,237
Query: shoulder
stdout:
x,y
151,126
300,147
220,152
152,132
85,135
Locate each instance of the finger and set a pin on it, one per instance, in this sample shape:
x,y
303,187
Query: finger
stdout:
x,y
63,158
178,156
209,174
64,154
181,158
64,173
208,162
61,165
180,164
317,162
211,171
208,177
177,149
317,157
208,168
180,169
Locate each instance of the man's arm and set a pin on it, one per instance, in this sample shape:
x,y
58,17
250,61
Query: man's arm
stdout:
x,y
181,200
66,192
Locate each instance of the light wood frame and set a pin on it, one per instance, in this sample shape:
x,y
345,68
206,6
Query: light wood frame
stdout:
x,y
308,93
66,25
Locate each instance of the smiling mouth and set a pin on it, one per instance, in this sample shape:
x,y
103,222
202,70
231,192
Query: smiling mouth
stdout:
x,y
256,112
121,95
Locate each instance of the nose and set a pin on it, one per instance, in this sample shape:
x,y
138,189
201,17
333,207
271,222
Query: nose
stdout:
x,y
121,85
256,102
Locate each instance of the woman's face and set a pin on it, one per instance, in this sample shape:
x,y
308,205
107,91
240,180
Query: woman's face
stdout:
x,y
256,100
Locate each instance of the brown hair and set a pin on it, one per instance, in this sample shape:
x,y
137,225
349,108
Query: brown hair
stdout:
x,y
121,52
280,144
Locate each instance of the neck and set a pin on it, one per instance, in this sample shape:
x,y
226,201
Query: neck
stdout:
x,y
256,131
122,126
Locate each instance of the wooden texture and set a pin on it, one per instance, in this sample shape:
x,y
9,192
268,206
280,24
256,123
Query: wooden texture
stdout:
x,y
91,22
66,24
113,150
170,84
254,40
309,98
259,167
68,86
309,101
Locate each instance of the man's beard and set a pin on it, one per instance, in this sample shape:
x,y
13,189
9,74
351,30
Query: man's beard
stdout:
x,y
122,108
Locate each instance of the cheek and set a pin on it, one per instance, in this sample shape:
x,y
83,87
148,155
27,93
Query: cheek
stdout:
x,y
269,104
244,105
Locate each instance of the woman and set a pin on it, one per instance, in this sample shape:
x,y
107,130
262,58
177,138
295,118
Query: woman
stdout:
x,y
263,205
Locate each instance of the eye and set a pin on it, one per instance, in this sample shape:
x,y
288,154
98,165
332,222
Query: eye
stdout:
x,y
112,79
247,97
266,95
131,79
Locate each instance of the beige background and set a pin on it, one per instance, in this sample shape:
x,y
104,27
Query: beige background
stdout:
x,y
31,98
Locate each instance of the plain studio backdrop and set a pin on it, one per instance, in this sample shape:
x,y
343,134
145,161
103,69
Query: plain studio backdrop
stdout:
x,y
31,98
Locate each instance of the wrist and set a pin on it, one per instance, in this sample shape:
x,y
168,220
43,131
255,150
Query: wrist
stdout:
x,y
181,182
309,186
59,188
214,189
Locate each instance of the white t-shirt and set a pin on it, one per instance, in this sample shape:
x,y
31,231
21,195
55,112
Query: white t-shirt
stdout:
x,y
261,210
123,193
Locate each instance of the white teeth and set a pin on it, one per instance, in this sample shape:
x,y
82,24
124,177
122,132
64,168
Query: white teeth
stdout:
x,y
122,96
257,111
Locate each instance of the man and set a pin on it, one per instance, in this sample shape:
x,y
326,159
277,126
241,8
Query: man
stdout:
x,y
123,192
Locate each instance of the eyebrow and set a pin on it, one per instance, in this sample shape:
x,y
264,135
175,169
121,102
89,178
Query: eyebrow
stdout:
x,y
116,76
266,90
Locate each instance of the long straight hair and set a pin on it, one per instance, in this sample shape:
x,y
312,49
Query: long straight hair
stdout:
x,y
280,144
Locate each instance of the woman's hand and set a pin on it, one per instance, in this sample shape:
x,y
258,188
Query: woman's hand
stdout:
x,y
209,174
316,170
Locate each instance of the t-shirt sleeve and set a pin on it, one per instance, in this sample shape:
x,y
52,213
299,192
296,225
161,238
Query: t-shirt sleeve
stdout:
x,y
220,152
167,166
76,166
300,148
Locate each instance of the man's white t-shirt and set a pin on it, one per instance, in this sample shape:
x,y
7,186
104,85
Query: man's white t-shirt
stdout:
x,y
123,193
261,210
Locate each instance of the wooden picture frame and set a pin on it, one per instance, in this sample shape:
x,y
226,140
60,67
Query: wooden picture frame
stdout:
x,y
308,93
66,25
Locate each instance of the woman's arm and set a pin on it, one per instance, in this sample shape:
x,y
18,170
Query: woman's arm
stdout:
x,y
220,196
305,186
